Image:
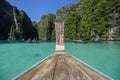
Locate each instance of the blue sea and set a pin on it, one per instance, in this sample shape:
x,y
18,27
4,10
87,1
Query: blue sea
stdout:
x,y
18,56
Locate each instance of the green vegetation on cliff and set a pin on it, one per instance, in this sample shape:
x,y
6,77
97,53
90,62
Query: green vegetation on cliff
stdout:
x,y
84,20
15,24
89,18
46,27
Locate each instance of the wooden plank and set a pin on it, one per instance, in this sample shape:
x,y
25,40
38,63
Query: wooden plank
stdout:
x,y
61,66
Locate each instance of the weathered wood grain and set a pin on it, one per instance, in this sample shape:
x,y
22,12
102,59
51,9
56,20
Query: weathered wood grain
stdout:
x,y
61,66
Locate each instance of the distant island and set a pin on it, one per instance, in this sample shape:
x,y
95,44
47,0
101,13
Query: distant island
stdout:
x,y
85,20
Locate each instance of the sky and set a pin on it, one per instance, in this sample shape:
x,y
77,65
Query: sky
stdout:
x,y
36,8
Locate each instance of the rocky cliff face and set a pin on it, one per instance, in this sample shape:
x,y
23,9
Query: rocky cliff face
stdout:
x,y
46,27
6,19
15,24
89,19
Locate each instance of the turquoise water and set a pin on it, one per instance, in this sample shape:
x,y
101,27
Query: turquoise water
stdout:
x,y
103,56
16,57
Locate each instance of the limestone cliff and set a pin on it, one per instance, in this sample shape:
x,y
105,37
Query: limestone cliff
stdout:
x,y
15,24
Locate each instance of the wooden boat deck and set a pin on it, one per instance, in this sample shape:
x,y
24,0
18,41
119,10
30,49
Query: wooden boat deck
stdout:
x,y
61,66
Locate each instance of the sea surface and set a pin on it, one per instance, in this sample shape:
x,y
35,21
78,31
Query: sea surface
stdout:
x,y
18,56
